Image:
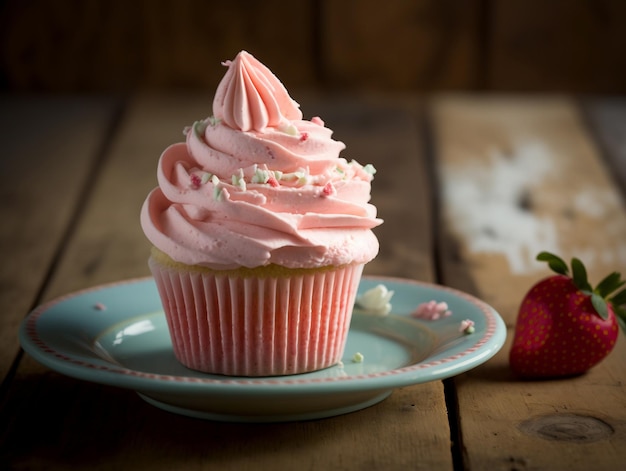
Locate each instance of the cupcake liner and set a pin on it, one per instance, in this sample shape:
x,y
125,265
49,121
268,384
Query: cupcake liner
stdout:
x,y
226,323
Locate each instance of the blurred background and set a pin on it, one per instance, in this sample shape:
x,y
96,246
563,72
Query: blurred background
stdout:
x,y
576,46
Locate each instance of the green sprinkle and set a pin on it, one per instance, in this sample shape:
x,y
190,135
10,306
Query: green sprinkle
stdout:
x,y
260,176
369,168
217,190
206,176
199,127
238,180
217,193
358,357
302,176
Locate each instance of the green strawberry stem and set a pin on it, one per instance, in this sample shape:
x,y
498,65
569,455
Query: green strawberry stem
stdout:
x,y
601,294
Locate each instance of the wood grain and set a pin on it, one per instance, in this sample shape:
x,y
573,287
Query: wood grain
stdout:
x,y
50,146
607,118
424,45
561,45
175,44
108,245
420,45
505,140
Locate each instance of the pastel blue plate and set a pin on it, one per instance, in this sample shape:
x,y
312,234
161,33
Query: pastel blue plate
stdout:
x,y
116,334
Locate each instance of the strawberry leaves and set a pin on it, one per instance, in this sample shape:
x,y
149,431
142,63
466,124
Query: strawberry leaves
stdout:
x,y
619,301
609,284
579,275
555,263
601,294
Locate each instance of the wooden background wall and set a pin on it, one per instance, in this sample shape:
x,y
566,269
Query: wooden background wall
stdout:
x,y
425,45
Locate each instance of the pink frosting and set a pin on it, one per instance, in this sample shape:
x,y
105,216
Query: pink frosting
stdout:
x,y
255,184
250,97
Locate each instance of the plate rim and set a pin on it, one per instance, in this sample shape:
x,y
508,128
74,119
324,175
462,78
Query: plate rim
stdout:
x,y
481,350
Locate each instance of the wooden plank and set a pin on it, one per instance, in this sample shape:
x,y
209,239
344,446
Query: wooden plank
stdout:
x,y
419,45
49,147
519,175
108,245
570,47
607,118
173,44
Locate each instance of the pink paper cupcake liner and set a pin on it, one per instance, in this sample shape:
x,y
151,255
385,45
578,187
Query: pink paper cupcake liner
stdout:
x,y
258,325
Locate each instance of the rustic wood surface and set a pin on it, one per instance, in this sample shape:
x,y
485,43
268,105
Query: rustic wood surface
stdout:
x,y
469,187
51,146
537,181
575,46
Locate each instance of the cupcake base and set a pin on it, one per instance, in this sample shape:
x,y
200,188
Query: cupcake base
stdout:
x,y
265,321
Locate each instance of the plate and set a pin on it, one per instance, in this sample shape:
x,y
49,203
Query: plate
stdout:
x,y
116,334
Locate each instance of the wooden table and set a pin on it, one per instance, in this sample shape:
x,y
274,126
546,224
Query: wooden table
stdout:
x,y
470,187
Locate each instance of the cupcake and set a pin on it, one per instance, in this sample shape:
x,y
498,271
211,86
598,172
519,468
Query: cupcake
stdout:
x,y
260,232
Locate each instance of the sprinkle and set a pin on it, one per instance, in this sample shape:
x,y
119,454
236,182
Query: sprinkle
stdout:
x,y
467,326
217,193
260,176
199,127
217,190
195,181
303,176
238,180
304,136
213,121
186,130
288,129
273,182
206,176
317,120
431,310
358,357
329,189
369,168
375,300
99,307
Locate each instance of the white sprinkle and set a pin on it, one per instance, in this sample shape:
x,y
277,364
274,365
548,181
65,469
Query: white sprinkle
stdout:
x,y
375,300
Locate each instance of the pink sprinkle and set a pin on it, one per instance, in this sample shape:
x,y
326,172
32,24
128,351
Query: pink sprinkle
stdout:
x,y
329,189
317,120
304,136
271,181
431,310
99,307
196,181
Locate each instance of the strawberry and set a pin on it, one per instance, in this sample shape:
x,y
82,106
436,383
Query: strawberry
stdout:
x,y
564,326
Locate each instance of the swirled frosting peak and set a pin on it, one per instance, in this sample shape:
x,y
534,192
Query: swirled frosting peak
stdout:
x,y
251,98
256,185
